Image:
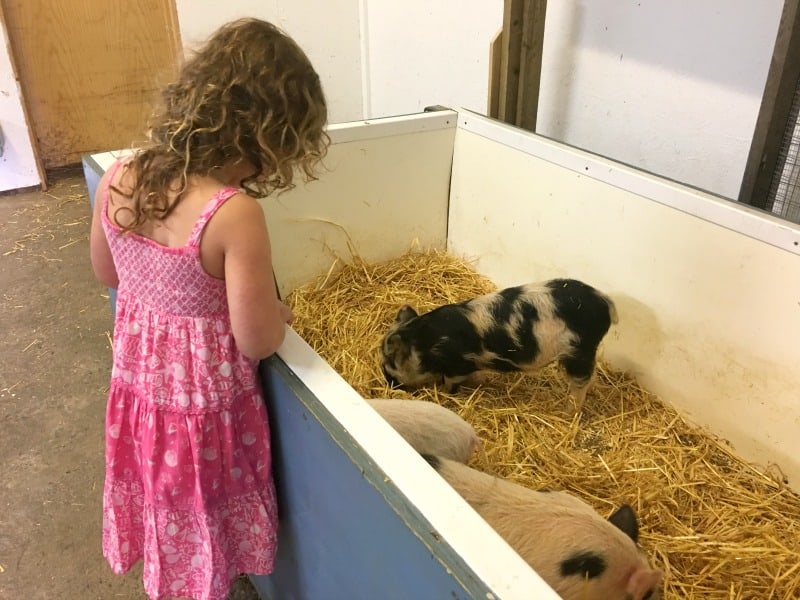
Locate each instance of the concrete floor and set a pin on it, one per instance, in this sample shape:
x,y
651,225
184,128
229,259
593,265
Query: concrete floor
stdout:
x,y
55,328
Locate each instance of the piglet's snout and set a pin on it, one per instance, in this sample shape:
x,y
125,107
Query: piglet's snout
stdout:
x,y
644,584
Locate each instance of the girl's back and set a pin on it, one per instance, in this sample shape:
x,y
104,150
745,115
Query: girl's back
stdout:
x,y
170,267
219,243
173,337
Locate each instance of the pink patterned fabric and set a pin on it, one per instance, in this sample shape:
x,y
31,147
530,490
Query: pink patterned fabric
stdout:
x,y
188,483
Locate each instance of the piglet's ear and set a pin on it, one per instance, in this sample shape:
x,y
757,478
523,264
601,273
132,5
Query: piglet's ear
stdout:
x,y
625,520
406,313
392,344
395,350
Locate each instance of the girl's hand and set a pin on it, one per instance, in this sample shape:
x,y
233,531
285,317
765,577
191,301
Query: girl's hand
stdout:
x,y
286,313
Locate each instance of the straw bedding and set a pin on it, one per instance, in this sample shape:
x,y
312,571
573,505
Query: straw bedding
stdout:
x,y
717,526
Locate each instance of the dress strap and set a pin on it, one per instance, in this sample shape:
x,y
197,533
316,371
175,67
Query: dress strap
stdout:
x,y
211,207
107,191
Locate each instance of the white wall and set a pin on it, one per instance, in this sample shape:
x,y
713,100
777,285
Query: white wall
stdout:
x,y
670,87
17,162
421,53
329,32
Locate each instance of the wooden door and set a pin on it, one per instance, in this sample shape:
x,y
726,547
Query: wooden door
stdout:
x,y
89,70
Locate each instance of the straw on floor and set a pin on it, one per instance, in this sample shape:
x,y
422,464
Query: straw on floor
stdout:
x,y
717,526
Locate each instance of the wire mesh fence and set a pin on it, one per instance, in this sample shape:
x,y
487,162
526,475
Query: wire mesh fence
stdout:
x,y
784,193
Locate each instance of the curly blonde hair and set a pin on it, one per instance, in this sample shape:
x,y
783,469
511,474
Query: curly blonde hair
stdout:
x,y
249,94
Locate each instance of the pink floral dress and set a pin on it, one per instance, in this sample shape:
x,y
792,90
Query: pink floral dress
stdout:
x,y
188,484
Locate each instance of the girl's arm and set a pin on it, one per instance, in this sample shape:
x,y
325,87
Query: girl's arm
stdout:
x,y
99,252
258,318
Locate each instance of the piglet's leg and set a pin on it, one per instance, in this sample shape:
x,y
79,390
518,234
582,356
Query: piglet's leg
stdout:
x,y
580,371
579,393
451,384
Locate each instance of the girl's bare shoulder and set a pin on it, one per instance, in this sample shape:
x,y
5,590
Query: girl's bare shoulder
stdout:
x,y
238,221
239,206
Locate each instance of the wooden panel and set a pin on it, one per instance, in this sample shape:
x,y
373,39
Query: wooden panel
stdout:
x,y
784,72
89,70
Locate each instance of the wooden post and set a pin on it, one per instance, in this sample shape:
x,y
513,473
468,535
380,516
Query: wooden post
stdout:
x,y
495,56
773,116
515,69
530,63
509,60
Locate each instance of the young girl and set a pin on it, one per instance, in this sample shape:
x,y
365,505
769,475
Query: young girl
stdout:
x,y
188,483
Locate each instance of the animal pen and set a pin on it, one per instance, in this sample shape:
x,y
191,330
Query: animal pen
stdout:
x,y
702,368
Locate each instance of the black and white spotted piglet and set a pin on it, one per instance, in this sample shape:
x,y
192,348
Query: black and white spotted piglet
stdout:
x,y
521,328
578,553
